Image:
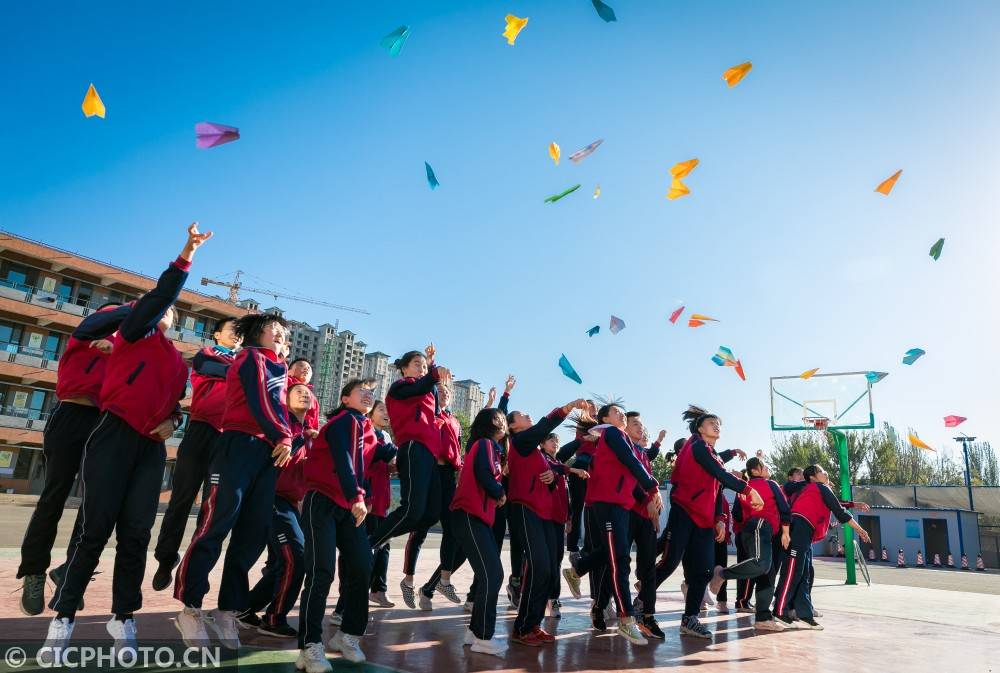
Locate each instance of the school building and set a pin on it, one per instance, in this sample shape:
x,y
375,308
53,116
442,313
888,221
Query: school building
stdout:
x,y
45,293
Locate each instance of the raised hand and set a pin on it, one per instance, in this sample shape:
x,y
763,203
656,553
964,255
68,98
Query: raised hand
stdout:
x,y
430,351
660,437
194,241
511,382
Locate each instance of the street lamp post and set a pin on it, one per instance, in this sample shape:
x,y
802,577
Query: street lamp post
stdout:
x,y
965,439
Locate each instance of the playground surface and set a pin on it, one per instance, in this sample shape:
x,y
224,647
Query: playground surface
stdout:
x,y
910,620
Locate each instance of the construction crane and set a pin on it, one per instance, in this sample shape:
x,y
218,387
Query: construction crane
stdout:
x,y
236,286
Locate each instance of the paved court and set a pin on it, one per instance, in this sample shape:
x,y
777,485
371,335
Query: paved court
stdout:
x,y
909,620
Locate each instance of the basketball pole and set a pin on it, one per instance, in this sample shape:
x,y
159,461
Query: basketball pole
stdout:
x,y
840,440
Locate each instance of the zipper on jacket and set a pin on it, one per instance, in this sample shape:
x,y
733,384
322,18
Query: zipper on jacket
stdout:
x,y
693,497
531,488
131,377
621,482
92,363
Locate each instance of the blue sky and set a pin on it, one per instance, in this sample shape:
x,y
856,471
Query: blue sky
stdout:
x,y
782,237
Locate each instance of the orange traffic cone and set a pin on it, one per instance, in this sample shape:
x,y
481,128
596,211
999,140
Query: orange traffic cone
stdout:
x,y
965,562
920,559
937,560
871,554
979,562
900,559
951,561
885,555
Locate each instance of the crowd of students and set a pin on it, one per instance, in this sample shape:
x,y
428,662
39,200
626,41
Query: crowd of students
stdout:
x,y
274,478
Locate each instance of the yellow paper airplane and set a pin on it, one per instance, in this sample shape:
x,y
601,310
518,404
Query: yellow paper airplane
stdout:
x,y
555,152
735,75
597,191
886,185
681,170
514,26
92,104
916,441
808,374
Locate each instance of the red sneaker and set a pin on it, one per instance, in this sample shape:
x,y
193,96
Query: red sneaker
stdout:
x,y
543,635
531,639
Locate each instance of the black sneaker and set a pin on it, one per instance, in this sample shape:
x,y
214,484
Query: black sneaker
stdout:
x,y
650,629
810,624
248,620
33,595
164,575
597,619
279,630
514,595
785,620
690,626
57,574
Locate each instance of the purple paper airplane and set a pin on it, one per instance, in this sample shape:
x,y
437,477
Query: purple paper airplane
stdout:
x,y
210,134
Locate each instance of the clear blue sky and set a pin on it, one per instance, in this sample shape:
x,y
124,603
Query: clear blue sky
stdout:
x,y
782,237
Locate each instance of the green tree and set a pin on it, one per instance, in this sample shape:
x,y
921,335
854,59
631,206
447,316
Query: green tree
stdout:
x,y
464,421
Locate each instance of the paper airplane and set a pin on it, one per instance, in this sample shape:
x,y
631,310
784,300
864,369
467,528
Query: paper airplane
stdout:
x,y
913,355
582,154
594,330
617,325
954,421
676,314
735,75
917,442
875,377
886,185
394,41
568,370
209,134
808,374
92,104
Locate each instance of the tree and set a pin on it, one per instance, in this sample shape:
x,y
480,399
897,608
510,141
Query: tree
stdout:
x,y
464,421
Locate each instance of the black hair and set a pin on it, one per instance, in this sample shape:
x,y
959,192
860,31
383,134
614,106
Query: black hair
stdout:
x,y
375,403
695,416
486,424
582,423
408,357
251,326
551,435
108,304
792,471
631,414
811,471
754,463
346,392
306,360
221,323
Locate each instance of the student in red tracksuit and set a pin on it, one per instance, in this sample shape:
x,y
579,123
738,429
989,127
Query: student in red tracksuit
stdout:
x,y
281,579
530,515
124,457
413,408
78,388
764,536
194,455
811,511
559,515
333,514
379,497
744,587
615,474
697,477
300,371
477,496
256,441
448,464
643,527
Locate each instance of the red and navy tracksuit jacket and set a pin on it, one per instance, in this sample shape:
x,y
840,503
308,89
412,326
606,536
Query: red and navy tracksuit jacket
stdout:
x,y
378,491
255,396
526,461
291,485
617,471
312,415
697,476
208,384
479,488
559,512
81,367
412,404
776,510
814,504
451,439
146,376
642,498
336,463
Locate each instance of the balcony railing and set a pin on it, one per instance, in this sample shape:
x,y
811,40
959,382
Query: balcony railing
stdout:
x,y
29,357
23,417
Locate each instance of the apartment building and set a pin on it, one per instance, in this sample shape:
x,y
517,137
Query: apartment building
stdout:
x,y
44,294
466,398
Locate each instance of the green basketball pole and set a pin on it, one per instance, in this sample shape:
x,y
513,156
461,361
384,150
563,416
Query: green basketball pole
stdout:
x,y
840,439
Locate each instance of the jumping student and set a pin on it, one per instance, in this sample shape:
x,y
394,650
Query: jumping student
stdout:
x,y
477,496
413,407
301,371
194,455
78,389
723,538
530,518
449,461
697,477
281,580
765,533
333,513
811,511
124,457
578,492
643,528
379,496
559,515
615,474
744,587
256,440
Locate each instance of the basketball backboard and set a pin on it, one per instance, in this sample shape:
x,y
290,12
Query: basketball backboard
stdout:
x,y
844,399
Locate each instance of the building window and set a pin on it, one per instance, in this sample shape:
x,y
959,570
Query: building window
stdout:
x,y
52,348
84,294
17,276
10,336
65,290
913,528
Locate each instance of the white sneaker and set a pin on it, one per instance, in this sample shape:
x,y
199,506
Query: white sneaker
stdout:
x,y
468,606
336,619
708,599
469,638
313,659
223,622
191,623
817,614
125,648
380,599
768,625
425,602
555,608
60,631
494,647
610,612
447,589
630,632
349,646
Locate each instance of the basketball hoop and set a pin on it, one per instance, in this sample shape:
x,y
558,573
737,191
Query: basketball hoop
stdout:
x,y
816,422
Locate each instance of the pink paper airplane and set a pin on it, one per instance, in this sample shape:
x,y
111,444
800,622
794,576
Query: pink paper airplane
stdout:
x,y
676,314
209,134
954,421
